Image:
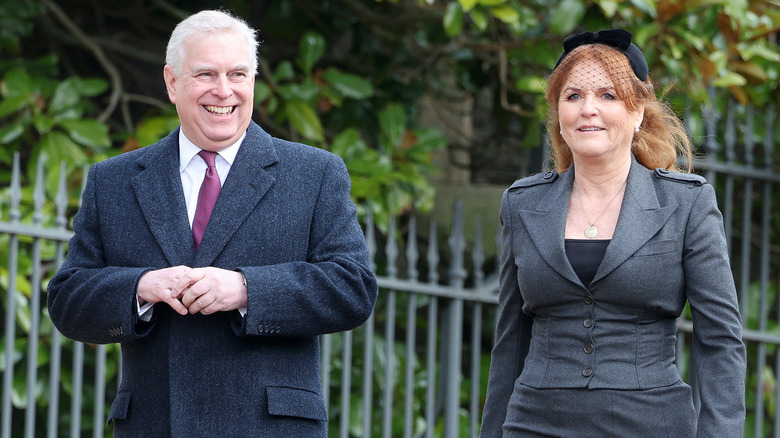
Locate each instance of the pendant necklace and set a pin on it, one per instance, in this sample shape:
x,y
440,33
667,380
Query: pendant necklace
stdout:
x,y
591,231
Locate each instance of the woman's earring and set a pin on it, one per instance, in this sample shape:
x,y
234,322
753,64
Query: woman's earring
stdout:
x,y
636,129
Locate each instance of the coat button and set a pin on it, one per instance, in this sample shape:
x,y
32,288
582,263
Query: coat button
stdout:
x,y
588,300
548,174
587,372
663,170
588,348
588,323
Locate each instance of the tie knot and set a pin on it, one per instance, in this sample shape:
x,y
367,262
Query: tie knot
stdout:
x,y
209,157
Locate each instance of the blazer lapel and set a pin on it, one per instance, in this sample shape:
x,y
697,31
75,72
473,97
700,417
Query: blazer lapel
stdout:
x,y
159,193
546,224
245,185
641,217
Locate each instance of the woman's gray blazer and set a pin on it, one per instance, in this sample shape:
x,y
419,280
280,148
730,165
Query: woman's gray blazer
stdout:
x,y
668,247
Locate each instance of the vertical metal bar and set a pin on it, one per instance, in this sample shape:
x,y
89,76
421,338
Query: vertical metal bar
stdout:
x,y
10,308
747,194
39,197
728,197
454,324
433,316
78,384
411,324
368,353
478,257
766,217
326,347
61,203
391,252
346,384
100,392
368,374
766,230
411,317
389,366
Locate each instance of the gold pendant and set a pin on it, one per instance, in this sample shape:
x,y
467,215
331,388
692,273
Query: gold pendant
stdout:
x,y
591,232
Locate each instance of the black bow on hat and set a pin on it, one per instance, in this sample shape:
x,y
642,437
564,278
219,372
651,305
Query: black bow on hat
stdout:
x,y
617,38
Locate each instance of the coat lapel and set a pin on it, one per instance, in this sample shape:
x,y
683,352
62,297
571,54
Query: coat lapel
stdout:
x,y
245,185
641,217
159,193
548,219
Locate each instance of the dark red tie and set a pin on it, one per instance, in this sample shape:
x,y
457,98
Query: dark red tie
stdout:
x,y
207,197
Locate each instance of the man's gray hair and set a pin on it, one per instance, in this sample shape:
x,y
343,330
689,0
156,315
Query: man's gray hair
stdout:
x,y
209,22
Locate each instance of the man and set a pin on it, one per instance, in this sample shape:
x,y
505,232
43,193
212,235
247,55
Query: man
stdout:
x,y
218,313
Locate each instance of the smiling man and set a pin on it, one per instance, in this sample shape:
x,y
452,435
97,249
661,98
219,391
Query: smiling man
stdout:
x,y
200,253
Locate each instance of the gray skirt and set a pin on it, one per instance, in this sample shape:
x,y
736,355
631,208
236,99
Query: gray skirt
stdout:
x,y
583,413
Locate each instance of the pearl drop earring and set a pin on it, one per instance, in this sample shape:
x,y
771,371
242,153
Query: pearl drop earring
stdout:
x,y
636,129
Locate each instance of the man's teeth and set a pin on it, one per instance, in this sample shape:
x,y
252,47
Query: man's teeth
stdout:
x,y
219,110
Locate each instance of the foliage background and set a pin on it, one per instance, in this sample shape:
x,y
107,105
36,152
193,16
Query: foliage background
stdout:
x,y
81,80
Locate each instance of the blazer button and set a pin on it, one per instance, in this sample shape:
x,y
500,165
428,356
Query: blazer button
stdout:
x,y
588,300
588,348
587,372
588,323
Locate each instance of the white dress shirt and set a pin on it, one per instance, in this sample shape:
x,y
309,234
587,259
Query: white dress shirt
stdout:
x,y
192,169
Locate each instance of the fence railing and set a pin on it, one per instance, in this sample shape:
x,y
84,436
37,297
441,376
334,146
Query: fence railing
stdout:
x,y
418,367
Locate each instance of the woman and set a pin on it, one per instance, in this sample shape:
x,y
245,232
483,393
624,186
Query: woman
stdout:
x,y
599,259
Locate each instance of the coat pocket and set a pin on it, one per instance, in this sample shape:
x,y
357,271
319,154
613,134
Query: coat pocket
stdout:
x,y
119,407
296,402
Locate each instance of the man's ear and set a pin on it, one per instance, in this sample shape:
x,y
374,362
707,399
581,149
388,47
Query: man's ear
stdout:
x,y
170,83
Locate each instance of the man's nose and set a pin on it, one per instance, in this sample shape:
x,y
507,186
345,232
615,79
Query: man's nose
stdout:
x,y
222,87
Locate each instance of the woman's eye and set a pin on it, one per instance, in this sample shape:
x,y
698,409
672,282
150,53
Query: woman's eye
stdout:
x,y
573,96
609,96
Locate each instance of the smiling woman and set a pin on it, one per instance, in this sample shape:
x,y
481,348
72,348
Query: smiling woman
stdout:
x,y
588,308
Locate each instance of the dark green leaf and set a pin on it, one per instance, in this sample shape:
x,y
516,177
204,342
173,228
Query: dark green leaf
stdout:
x,y
13,103
65,96
284,71
87,132
566,16
306,91
11,132
393,122
312,46
453,19
304,120
349,85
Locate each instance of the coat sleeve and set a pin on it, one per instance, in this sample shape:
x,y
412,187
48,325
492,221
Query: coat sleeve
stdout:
x,y
88,300
334,289
513,335
718,350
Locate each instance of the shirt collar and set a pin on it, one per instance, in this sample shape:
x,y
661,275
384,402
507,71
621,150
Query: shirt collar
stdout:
x,y
188,150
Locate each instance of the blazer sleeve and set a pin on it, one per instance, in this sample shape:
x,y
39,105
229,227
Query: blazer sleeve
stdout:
x,y
718,350
513,335
334,289
88,300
